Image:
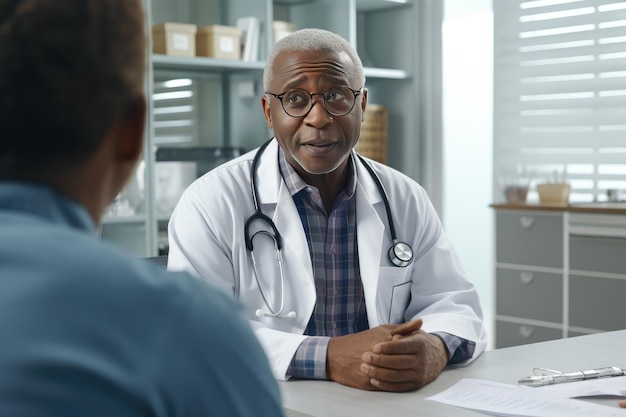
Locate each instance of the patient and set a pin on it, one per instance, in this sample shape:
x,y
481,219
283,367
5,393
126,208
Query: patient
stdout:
x,y
86,330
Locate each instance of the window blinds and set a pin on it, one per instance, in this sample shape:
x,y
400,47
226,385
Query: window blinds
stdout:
x,y
560,95
174,103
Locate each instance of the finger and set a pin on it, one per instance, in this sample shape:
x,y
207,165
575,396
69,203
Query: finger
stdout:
x,y
395,386
394,375
398,346
407,361
408,327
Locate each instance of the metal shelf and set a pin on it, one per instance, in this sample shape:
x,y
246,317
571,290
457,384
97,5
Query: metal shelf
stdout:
x,y
197,64
135,218
201,64
387,73
371,5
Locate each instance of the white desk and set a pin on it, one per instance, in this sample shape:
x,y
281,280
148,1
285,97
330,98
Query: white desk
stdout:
x,y
329,399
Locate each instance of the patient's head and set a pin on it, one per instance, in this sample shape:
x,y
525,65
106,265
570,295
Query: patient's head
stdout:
x,y
68,70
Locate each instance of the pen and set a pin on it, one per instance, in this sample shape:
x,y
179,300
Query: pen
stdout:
x,y
537,381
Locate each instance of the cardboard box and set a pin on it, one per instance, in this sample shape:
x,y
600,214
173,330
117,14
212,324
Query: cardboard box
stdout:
x,y
280,29
216,41
177,39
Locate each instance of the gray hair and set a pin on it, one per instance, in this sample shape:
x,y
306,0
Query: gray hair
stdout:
x,y
312,40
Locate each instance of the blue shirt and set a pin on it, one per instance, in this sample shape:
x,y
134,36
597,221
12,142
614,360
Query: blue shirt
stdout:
x,y
89,331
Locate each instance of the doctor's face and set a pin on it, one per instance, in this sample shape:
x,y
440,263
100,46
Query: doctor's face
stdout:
x,y
316,143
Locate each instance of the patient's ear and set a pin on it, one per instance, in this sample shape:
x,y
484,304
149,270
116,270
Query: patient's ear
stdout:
x,y
130,130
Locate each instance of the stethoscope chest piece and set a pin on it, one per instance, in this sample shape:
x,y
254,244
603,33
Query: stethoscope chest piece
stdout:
x,y
400,254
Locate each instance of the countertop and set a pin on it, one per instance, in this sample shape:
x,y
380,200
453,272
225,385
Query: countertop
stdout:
x,y
605,208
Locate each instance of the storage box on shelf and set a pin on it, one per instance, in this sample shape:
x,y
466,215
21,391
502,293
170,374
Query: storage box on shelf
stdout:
x,y
176,39
281,29
218,41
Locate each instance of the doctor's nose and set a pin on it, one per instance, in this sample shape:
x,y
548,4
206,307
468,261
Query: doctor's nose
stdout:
x,y
317,116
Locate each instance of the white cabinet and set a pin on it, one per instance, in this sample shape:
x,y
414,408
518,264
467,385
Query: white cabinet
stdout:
x,y
213,105
558,274
529,276
597,272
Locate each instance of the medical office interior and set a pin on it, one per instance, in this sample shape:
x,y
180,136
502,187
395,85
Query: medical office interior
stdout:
x,y
511,113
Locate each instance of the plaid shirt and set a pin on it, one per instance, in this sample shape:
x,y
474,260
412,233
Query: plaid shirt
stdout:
x,y
340,303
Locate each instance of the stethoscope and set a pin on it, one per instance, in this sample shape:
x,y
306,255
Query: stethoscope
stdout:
x,y
400,254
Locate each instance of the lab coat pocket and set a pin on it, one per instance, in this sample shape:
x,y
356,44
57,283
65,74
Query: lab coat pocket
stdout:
x,y
394,294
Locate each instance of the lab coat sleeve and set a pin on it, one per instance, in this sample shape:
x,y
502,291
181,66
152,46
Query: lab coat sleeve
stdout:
x,y
434,286
441,293
206,238
194,246
280,347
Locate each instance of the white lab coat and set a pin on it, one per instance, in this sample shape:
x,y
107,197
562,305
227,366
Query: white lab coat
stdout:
x,y
206,238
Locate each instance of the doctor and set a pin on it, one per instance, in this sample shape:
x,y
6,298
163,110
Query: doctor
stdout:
x,y
340,262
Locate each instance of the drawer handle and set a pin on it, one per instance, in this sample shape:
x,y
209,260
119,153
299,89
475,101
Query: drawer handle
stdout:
x,y
527,221
526,277
526,331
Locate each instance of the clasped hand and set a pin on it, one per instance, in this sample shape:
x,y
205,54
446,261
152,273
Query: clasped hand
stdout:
x,y
390,357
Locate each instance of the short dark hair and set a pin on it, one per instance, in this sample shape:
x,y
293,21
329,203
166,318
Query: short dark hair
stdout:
x,y
68,70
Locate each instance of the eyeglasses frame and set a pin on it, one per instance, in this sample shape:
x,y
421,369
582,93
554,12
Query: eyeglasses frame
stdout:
x,y
281,95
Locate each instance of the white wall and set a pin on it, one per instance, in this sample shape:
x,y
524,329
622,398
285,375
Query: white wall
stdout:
x,y
467,140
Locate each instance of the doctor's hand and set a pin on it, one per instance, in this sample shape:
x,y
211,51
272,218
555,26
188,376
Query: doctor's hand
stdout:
x,y
412,359
346,354
622,403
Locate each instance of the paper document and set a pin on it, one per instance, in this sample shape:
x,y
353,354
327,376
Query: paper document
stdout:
x,y
520,401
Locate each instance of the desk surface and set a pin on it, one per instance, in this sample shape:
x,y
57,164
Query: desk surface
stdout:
x,y
329,399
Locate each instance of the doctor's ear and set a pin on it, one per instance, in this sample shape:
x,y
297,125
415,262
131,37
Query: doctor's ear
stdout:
x,y
265,102
363,103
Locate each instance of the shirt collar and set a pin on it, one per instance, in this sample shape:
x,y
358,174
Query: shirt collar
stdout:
x,y
295,183
45,203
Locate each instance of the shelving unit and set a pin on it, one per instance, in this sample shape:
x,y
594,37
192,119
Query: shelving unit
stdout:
x,y
206,102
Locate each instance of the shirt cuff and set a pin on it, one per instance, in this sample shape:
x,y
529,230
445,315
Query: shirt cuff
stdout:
x,y
309,361
459,349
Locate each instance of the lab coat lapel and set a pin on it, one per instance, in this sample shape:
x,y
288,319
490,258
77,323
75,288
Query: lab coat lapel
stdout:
x,y
370,236
278,204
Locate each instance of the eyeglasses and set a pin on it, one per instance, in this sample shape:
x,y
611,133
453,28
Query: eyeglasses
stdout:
x,y
337,101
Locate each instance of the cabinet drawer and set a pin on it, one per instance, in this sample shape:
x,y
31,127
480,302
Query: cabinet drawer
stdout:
x,y
529,294
600,254
514,334
529,239
597,303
